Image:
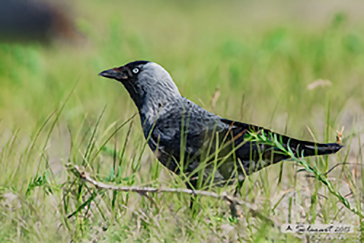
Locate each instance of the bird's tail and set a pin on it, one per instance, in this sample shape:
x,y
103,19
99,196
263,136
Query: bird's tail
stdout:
x,y
301,148
311,149
307,148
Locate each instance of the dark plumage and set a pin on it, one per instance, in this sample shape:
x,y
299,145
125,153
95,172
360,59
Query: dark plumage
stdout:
x,y
183,135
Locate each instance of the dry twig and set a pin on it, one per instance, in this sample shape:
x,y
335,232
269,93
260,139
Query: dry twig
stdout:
x,y
339,136
214,98
81,173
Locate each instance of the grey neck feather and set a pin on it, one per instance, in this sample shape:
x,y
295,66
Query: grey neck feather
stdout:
x,y
153,89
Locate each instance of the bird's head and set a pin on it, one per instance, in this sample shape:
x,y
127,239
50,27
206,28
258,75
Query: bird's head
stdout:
x,y
148,83
128,73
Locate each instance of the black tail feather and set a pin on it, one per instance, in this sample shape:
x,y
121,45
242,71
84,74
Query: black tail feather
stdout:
x,y
255,150
311,149
307,148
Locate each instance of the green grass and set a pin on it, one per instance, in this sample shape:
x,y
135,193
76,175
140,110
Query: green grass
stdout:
x,y
55,111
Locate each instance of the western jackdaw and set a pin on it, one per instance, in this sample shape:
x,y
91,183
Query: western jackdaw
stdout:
x,y
192,141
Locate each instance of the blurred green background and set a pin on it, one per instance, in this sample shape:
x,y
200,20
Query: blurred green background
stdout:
x,y
262,56
267,53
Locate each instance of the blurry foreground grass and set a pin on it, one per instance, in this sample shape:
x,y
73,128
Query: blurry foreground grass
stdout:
x,y
55,110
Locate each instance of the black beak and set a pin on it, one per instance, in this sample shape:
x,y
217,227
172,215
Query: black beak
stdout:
x,y
111,73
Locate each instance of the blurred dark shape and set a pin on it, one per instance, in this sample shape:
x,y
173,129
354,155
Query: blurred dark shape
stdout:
x,y
29,21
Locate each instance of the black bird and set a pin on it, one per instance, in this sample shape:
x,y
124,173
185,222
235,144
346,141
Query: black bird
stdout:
x,y
186,138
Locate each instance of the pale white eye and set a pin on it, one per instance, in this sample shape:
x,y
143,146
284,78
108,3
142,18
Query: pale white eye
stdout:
x,y
136,70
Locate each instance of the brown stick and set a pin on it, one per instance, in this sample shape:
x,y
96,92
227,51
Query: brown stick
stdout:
x,y
143,190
